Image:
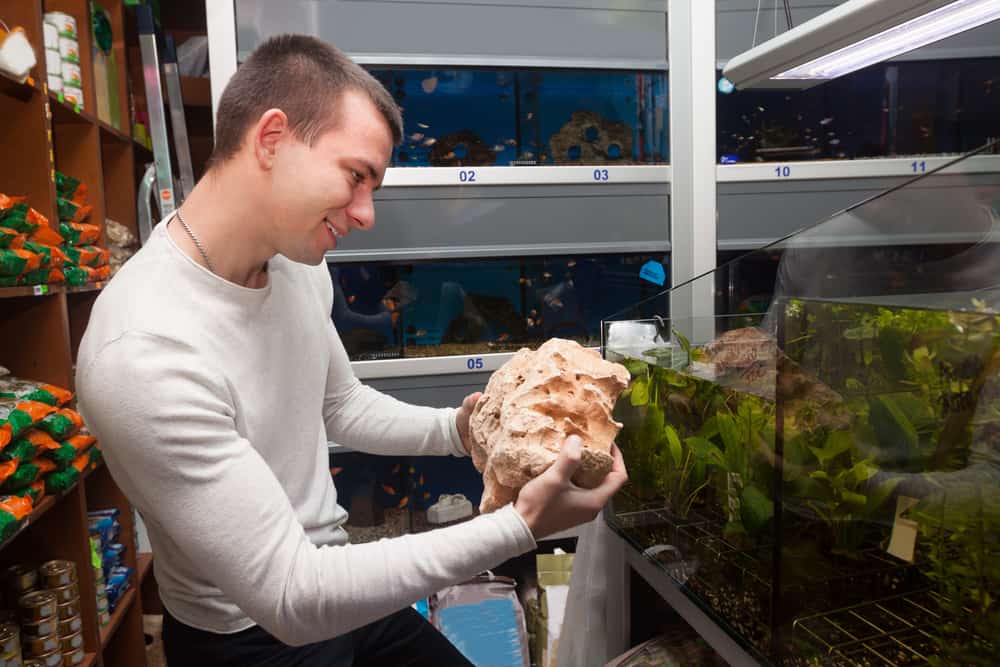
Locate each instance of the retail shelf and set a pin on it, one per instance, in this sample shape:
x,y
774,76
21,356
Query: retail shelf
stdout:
x,y
449,253
30,290
108,631
144,565
526,175
12,88
710,631
65,112
473,363
89,659
89,287
914,165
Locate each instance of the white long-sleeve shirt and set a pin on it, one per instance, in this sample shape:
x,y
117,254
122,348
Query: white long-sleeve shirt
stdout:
x,y
213,404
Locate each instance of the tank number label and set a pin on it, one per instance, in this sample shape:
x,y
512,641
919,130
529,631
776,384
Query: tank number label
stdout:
x,y
474,363
919,166
601,175
467,176
783,171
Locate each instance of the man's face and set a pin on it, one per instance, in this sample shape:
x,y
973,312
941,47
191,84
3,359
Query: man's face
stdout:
x,y
321,192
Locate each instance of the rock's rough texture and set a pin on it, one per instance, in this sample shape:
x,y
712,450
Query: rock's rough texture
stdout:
x,y
531,404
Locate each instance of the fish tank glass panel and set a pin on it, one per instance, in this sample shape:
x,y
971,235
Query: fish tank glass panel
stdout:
x,y
897,109
820,470
491,117
395,310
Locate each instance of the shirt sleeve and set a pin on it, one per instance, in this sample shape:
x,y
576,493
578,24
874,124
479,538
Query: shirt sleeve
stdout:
x,y
167,427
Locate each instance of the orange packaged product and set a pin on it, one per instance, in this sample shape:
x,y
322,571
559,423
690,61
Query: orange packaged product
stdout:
x,y
46,236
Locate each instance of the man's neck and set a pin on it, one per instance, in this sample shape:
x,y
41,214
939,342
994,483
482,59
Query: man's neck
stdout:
x,y
230,224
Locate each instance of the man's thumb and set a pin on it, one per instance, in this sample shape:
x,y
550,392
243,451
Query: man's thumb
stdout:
x,y
569,458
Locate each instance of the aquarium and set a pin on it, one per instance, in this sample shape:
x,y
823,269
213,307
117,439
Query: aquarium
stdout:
x,y
819,470
396,310
504,117
886,110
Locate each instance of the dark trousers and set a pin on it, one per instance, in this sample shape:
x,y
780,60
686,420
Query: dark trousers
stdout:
x,y
404,639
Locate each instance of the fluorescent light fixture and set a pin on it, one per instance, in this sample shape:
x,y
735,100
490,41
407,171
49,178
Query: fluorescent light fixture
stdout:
x,y
852,36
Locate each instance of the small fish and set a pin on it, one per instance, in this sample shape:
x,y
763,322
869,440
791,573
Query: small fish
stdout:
x,y
404,502
426,495
421,333
336,470
423,126
416,136
525,281
421,482
530,115
395,469
554,303
760,109
351,299
511,142
831,134
544,157
547,275
429,84
499,148
530,322
502,337
834,142
388,489
826,121
430,142
527,155
534,312
450,155
571,263
412,470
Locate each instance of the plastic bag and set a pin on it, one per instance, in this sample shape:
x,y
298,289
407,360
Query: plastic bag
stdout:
x,y
64,453
81,275
53,257
15,262
119,234
23,218
29,390
62,424
13,510
37,277
72,213
46,235
26,474
35,492
28,446
63,480
71,188
11,238
16,417
87,255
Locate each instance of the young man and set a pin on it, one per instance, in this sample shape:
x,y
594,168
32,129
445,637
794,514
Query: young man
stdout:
x,y
213,376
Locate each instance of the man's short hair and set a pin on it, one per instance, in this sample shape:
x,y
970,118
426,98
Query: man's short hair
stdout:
x,y
305,78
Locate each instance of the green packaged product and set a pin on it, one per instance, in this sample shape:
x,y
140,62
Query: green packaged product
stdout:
x,y
61,425
22,218
62,456
87,255
72,213
52,257
29,390
13,510
26,474
16,417
14,262
28,445
61,480
34,493
40,277
66,186
11,238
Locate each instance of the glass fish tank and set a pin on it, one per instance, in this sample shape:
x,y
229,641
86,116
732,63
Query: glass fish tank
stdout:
x,y
821,475
396,310
945,107
504,117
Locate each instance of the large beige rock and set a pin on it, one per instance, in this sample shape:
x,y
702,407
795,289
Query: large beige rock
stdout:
x,y
530,406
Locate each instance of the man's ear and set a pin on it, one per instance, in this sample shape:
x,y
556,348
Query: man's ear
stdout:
x,y
270,129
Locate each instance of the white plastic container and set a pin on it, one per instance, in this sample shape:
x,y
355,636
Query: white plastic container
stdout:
x,y
69,50
64,24
51,35
55,83
448,508
71,75
53,62
72,95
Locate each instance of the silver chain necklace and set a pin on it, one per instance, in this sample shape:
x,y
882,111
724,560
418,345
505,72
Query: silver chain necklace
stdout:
x,y
194,239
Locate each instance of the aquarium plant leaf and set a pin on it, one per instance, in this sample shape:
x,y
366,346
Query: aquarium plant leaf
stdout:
x,y
684,343
756,509
639,395
891,424
674,443
836,444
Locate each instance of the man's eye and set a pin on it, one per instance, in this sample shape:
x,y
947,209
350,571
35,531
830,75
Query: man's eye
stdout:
x,y
356,176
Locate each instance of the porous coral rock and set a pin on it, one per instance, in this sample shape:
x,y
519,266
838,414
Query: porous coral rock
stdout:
x,y
532,404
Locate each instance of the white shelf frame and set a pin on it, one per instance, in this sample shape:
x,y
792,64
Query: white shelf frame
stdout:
x,y
898,167
525,175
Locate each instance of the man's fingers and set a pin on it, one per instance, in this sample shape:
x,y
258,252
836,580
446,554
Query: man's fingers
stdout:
x,y
615,479
569,459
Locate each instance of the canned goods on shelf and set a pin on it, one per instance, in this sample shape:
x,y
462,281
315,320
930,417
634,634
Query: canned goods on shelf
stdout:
x,y
64,24
13,660
70,625
71,75
69,609
102,602
72,95
32,662
42,628
39,646
56,573
69,50
66,593
70,642
37,605
51,659
74,657
10,638
53,61
103,618
20,578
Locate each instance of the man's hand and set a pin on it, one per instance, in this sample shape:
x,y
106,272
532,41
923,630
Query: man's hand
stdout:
x,y
551,502
462,419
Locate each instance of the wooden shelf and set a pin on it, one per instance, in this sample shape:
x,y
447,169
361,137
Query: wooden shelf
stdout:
x,y
89,287
144,565
108,631
89,660
30,290
21,91
196,91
